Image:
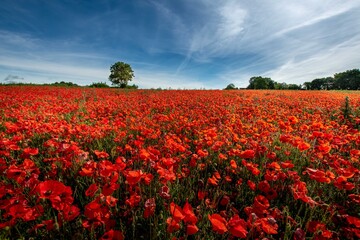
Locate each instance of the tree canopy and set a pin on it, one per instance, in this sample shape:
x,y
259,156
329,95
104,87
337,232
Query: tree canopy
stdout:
x,y
348,80
231,86
259,82
120,74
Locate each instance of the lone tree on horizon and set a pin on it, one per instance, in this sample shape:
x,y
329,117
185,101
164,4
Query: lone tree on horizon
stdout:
x,y
120,74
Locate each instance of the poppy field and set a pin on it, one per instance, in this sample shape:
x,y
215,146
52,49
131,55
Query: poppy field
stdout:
x,y
82,163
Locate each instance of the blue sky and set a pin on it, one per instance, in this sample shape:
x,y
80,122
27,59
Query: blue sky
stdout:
x,y
178,44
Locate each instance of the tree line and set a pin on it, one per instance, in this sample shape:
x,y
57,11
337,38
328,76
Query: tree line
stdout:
x,y
121,74
348,80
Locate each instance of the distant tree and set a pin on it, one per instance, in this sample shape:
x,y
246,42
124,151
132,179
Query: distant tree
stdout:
x,y
271,84
349,79
329,83
318,84
64,84
99,85
307,85
280,86
132,86
251,83
120,74
261,83
231,86
293,86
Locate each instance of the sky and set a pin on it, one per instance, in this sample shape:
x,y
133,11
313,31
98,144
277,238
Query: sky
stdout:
x,y
188,44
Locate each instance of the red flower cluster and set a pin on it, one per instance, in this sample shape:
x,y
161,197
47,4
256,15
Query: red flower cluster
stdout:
x,y
112,164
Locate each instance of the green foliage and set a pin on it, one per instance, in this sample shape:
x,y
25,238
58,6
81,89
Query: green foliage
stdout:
x,y
120,74
268,83
132,86
99,85
293,87
231,86
64,84
57,84
349,80
320,84
346,110
261,83
349,115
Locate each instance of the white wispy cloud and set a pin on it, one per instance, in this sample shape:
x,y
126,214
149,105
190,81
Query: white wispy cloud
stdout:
x,y
323,63
295,41
21,54
41,66
49,66
11,40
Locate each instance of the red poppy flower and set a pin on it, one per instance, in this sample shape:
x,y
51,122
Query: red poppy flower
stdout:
x,y
213,181
91,190
133,177
264,186
225,200
109,200
134,200
247,154
96,215
342,183
302,146
233,164
287,164
353,220
251,185
268,225
31,151
88,169
172,225
251,167
202,153
59,194
25,212
149,207
112,235
16,173
148,178
101,154
189,214
120,163
166,175
299,234
176,212
218,223
261,203
324,148
69,213
293,120
201,195
191,229
110,188
165,192
318,175
237,227
355,198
